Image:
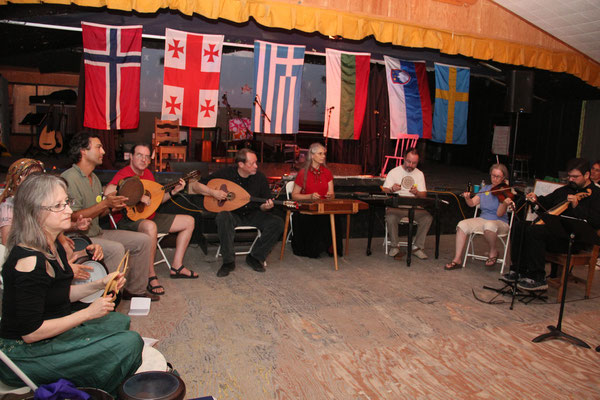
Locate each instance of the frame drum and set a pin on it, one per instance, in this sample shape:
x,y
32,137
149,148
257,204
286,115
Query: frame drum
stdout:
x,y
156,385
132,188
98,272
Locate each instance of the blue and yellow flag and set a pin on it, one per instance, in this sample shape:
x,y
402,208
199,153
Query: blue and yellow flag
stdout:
x,y
451,104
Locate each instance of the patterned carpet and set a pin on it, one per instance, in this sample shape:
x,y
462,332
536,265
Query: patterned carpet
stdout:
x,y
375,329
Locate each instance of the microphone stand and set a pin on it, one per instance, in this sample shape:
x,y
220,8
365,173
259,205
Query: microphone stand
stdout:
x,y
262,114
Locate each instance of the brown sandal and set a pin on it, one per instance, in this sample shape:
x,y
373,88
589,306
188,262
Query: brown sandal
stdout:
x,y
452,265
491,261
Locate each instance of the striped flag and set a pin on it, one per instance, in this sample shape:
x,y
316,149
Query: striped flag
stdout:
x,y
347,84
192,73
410,101
277,81
112,63
451,104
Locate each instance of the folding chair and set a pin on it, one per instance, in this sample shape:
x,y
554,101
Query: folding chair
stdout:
x,y
387,242
159,238
504,238
243,228
5,389
289,187
404,142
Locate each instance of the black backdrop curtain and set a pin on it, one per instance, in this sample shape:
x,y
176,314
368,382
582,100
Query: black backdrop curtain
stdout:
x,y
367,151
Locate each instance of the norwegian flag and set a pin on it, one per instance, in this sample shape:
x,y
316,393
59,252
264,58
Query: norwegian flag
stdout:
x,y
192,72
113,59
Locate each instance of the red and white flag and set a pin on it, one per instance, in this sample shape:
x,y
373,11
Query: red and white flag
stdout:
x,y
192,72
112,59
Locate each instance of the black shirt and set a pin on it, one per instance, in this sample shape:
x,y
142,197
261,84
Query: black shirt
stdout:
x,y
588,207
257,185
30,298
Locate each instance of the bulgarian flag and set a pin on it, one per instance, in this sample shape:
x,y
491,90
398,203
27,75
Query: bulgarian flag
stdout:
x,y
347,83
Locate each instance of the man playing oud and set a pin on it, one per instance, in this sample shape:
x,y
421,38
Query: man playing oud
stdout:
x,y
156,223
245,173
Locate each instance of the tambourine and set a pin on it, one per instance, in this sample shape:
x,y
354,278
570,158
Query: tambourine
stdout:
x,y
132,188
407,182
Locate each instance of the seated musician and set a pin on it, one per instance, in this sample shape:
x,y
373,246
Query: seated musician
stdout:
x,y
595,173
407,180
156,223
534,240
17,173
245,173
85,190
312,233
91,347
493,219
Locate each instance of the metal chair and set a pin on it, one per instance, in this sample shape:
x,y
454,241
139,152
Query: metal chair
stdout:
x,y
6,389
243,228
404,142
289,187
504,238
386,240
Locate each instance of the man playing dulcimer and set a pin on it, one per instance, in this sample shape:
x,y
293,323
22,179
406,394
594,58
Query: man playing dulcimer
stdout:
x,y
582,200
181,224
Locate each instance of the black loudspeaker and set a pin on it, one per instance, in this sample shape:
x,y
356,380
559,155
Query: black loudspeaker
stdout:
x,y
519,91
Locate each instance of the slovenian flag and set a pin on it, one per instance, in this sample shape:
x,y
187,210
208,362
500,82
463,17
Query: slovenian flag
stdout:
x,y
410,101
451,104
347,84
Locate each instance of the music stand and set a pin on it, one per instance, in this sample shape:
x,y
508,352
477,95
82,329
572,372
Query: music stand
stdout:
x,y
572,229
32,119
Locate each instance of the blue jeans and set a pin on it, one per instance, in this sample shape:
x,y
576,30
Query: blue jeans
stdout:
x,y
270,226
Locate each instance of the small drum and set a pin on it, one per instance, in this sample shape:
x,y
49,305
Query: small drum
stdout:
x,y
132,188
98,272
156,385
81,242
408,182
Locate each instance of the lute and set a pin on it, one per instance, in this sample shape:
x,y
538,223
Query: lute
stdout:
x,y
152,189
237,197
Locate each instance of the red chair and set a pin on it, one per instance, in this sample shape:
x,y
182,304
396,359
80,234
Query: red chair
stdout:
x,y
403,143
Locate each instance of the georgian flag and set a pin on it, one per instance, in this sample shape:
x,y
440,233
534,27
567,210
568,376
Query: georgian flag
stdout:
x,y
191,81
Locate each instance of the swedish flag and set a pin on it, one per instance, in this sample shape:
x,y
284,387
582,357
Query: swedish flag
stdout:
x,y
451,104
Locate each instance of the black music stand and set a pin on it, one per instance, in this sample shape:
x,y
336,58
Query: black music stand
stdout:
x,y
32,119
572,229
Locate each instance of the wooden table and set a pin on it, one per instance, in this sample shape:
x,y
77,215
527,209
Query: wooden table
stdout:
x,y
327,207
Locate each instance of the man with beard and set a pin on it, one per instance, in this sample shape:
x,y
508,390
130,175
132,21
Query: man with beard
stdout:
x,y
537,239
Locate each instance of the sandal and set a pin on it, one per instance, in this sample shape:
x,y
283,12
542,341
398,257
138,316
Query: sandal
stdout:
x,y
152,289
452,265
179,275
491,261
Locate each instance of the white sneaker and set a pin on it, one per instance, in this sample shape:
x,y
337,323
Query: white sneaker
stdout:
x,y
393,251
420,254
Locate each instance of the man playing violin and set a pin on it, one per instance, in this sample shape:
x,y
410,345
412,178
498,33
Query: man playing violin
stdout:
x,y
245,173
537,239
407,180
85,190
181,224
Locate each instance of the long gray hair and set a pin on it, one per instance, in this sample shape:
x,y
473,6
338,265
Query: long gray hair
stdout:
x,y
27,228
311,151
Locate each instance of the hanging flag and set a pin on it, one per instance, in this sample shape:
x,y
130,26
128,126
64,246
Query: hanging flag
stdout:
x,y
451,104
191,83
112,63
347,83
277,81
410,101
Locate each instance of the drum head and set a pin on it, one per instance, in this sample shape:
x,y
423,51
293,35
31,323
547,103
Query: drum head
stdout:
x,y
408,182
98,272
80,242
156,385
132,188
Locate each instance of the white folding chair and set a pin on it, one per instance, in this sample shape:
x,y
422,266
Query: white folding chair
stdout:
x,y
243,229
5,389
289,187
504,238
159,238
387,242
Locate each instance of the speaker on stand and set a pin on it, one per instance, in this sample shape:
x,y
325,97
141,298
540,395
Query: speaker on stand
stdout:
x,y
519,97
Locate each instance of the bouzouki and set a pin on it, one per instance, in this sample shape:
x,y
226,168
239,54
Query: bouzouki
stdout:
x,y
561,207
137,210
237,197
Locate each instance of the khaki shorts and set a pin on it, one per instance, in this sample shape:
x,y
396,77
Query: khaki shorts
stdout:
x,y
163,223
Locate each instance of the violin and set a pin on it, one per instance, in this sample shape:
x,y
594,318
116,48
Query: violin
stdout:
x,y
503,191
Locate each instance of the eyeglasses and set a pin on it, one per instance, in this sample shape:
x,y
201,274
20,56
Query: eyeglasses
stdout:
x,y
497,176
143,156
59,207
574,176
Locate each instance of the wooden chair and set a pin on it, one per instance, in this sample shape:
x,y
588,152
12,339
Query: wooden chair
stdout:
x,y
165,143
586,259
403,143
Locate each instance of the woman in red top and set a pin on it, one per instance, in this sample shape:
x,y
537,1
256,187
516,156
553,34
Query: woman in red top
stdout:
x,y
312,233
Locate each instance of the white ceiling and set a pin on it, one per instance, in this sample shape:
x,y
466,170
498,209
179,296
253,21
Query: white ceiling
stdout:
x,y
575,22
